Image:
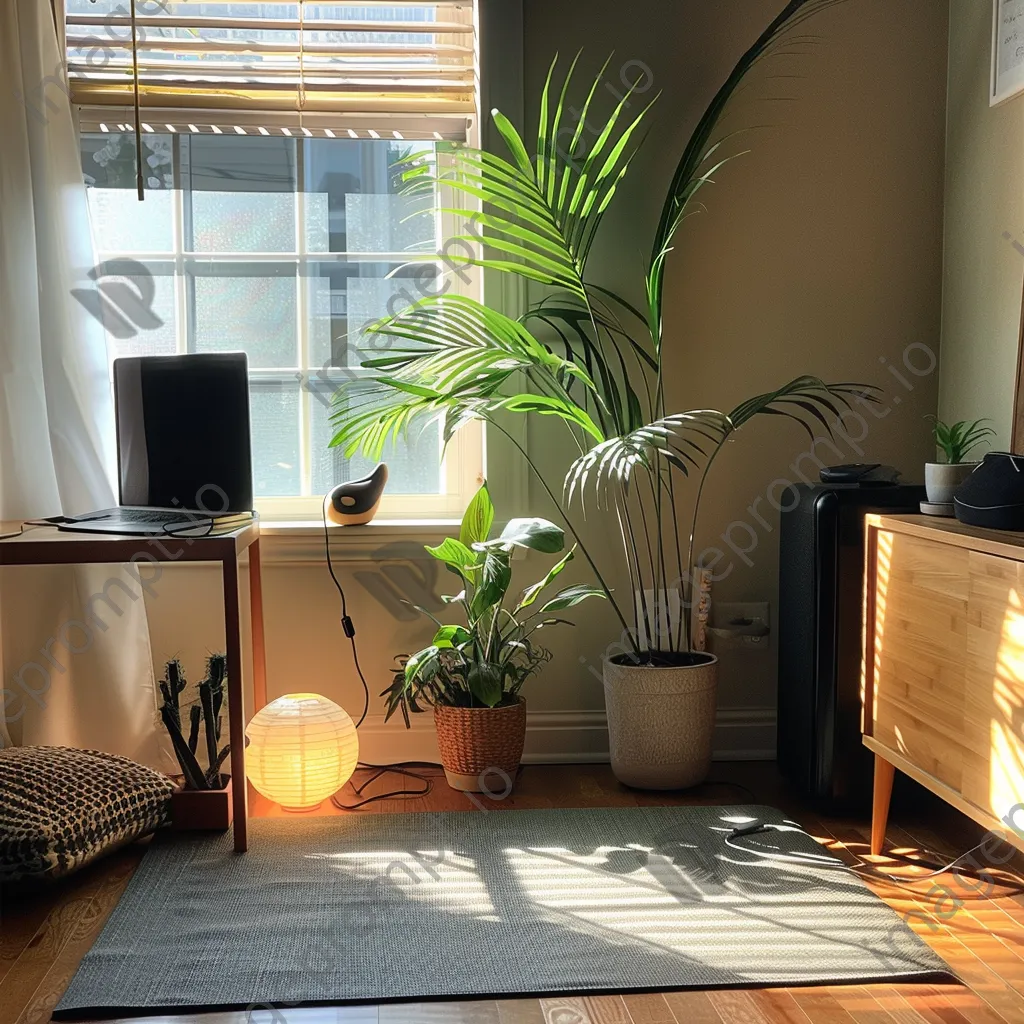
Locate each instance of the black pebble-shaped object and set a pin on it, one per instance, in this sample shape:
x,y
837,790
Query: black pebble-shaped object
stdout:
x,y
356,502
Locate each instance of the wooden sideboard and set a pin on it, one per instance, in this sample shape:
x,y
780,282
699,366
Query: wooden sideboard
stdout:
x,y
943,666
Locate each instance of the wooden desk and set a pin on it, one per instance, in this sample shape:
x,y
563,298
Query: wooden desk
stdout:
x,y
50,546
943,666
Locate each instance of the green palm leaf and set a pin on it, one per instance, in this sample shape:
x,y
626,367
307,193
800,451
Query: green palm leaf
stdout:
x,y
691,439
367,416
805,400
678,440
542,212
460,345
617,404
460,354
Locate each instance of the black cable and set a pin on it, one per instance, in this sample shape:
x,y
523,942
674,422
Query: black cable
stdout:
x,y
346,622
28,523
1011,885
404,764
758,827
746,790
214,526
1005,880
400,768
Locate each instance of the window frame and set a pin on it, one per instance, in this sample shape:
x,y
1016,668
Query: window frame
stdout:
x,y
464,467
460,472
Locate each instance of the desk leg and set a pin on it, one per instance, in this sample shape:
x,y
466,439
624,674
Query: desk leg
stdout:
x,y
236,701
884,773
259,650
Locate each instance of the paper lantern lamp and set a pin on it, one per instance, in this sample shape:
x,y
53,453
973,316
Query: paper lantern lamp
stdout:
x,y
302,749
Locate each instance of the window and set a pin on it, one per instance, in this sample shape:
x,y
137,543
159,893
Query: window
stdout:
x,y
262,234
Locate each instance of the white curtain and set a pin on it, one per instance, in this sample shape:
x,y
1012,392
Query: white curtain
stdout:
x,y
74,642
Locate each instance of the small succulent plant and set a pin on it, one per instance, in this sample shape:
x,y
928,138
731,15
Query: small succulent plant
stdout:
x,y
956,441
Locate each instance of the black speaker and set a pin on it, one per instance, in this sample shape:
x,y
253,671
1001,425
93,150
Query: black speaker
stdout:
x,y
821,582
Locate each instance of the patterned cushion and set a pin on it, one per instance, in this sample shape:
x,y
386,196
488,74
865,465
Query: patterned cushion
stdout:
x,y
61,808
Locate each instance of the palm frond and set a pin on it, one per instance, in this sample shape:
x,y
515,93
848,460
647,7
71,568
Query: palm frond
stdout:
x,y
368,416
681,441
458,345
541,213
459,355
805,400
578,328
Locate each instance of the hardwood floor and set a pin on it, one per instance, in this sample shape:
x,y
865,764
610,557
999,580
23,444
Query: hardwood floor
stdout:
x,y
44,932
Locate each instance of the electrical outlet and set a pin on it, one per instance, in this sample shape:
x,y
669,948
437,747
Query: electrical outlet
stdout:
x,y
741,624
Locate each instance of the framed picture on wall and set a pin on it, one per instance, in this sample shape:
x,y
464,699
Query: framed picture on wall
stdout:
x,y
1007,50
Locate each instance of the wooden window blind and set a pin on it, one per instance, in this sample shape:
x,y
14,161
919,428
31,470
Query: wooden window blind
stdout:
x,y
344,69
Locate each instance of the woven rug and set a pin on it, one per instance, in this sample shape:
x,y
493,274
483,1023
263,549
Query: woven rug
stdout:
x,y
381,907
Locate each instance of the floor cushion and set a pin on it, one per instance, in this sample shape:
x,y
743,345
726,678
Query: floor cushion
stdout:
x,y
61,808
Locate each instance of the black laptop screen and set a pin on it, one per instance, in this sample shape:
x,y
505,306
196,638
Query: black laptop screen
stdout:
x,y
183,436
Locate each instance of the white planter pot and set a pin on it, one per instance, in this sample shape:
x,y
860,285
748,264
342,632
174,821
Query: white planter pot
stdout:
x,y
661,722
942,479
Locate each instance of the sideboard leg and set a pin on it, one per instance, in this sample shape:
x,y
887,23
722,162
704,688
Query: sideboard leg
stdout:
x,y
884,774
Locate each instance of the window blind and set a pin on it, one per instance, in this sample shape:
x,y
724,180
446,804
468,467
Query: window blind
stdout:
x,y
341,68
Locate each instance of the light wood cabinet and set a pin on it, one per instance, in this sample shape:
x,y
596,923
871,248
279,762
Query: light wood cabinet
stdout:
x,y
943,666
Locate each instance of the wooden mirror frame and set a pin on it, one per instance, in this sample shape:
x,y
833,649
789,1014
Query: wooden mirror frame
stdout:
x,y
1017,441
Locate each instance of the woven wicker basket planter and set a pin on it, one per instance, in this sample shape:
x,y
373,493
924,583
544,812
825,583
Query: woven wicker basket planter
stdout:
x,y
481,748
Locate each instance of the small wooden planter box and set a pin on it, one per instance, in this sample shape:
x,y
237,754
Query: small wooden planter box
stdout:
x,y
207,810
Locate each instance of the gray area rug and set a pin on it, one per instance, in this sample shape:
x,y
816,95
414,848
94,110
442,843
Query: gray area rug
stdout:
x,y
381,907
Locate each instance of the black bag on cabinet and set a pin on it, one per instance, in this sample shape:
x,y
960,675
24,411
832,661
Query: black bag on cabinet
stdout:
x,y
992,497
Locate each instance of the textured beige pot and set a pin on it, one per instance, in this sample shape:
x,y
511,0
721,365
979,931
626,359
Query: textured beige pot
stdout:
x,y
661,722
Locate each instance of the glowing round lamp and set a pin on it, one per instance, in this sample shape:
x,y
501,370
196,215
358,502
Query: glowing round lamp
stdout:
x,y
302,749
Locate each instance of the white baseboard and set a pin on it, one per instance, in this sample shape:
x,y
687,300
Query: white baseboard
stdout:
x,y
567,737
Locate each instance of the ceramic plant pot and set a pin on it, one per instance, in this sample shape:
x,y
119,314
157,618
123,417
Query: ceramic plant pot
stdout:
x,y
481,748
942,479
661,721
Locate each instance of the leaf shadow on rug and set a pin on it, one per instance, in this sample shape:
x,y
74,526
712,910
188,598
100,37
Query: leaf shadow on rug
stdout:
x,y
394,907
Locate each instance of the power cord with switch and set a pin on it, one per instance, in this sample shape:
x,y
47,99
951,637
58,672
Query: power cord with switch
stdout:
x,y
402,768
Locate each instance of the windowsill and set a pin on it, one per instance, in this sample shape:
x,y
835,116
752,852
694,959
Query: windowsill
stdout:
x,y
301,541
308,527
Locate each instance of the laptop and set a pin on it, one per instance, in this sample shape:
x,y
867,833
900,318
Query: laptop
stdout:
x,y
184,452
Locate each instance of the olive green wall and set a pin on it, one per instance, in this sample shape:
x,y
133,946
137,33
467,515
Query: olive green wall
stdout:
x,y
984,268
819,252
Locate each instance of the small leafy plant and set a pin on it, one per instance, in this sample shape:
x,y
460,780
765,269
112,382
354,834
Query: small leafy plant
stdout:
x,y
484,663
206,712
956,441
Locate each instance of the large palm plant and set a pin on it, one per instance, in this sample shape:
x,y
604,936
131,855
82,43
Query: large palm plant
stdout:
x,y
588,356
